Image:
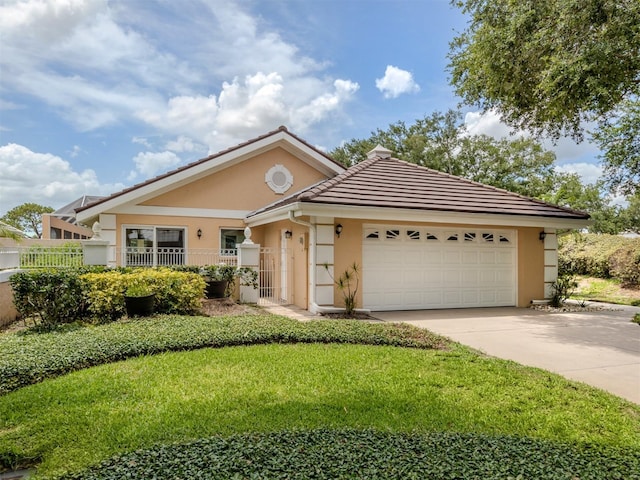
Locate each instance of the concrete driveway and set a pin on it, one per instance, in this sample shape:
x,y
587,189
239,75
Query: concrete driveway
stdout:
x,y
599,348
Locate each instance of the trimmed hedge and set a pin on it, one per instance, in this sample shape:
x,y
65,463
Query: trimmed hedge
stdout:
x,y
174,292
602,256
53,297
332,454
31,358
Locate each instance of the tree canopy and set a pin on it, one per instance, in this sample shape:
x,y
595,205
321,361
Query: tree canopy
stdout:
x,y
27,217
548,65
619,139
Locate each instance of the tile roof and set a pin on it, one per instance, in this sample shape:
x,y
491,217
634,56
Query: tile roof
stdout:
x,y
281,128
386,182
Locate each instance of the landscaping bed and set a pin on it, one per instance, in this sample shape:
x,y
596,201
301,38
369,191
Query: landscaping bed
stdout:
x,y
334,454
289,399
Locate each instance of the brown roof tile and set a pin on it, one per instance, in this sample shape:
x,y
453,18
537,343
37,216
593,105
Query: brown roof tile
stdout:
x,y
393,183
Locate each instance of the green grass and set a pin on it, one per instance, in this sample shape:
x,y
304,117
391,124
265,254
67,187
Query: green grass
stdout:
x,y
604,290
85,417
30,358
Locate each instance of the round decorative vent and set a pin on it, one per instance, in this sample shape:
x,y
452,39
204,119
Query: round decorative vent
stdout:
x,y
279,178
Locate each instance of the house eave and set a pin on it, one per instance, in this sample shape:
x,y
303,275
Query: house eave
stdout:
x,y
414,215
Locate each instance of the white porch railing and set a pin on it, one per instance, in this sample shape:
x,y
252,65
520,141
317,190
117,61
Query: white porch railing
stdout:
x,y
168,256
72,256
41,257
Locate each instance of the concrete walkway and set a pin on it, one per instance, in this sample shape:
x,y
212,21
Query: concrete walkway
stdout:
x,y
599,348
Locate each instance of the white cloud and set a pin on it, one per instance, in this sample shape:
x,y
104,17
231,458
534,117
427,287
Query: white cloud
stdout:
x,y
588,172
150,163
396,82
75,151
141,141
184,144
566,149
489,123
44,178
249,107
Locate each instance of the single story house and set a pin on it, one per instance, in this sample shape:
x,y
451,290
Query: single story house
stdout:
x,y
422,238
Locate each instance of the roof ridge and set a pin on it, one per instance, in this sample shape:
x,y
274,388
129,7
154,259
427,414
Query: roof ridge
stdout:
x,y
317,189
491,187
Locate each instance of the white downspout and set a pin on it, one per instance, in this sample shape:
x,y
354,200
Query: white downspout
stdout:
x,y
313,307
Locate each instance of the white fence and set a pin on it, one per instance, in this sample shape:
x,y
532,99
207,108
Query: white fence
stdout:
x,y
169,256
66,256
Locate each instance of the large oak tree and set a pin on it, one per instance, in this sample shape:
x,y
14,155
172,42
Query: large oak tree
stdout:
x,y
548,66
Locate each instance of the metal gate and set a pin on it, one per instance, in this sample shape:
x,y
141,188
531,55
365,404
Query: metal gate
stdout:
x,y
276,281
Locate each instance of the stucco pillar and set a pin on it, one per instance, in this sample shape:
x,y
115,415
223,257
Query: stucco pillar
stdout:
x,y
249,256
550,261
95,250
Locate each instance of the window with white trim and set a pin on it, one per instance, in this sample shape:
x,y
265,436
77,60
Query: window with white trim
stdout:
x,y
149,246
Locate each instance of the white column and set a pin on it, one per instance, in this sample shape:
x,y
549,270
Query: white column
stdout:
x,y
249,256
550,260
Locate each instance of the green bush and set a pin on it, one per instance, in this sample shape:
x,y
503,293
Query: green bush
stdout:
x,y
330,454
50,297
31,358
624,265
174,292
600,255
562,289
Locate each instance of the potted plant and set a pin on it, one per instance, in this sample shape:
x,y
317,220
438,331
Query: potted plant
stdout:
x,y
220,280
139,300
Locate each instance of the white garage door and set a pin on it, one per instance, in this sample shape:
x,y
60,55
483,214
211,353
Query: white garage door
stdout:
x,y
409,268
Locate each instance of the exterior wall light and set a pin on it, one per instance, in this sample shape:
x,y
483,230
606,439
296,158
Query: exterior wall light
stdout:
x,y
288,234
542,236
338,229
199,233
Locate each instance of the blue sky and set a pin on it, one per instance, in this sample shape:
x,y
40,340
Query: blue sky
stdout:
x,y
97,95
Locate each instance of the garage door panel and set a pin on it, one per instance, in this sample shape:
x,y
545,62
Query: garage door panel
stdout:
x,y
470,258
420,272
450,257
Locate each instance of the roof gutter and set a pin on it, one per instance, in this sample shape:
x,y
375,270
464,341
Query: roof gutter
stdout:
x,y
313,306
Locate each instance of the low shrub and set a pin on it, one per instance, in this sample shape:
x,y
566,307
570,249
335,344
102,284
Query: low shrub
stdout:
x,y
600,255
624,265
31,358
50,297
329,454
562,289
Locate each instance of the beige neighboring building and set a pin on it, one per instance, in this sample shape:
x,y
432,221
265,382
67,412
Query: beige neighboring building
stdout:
x,y
423,239
62,224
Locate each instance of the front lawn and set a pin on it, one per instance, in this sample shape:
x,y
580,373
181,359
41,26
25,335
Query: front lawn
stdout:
x,y
605,290
365,389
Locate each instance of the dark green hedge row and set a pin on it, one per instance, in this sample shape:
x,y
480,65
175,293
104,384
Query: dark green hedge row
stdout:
x,y
32,357
342,454
600,255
